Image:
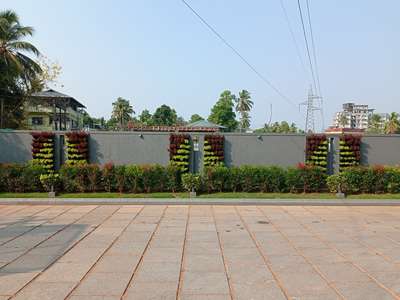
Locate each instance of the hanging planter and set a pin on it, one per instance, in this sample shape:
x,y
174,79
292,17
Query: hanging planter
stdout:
x,y
349,151
77,148
317,150
43,150
179,151
213,150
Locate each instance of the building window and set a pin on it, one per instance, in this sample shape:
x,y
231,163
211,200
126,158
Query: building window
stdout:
x,y
37,120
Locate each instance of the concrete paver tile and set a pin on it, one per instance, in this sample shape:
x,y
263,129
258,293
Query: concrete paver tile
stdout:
x,y
103,284
205,283
362,291
152,291
64,272
263,290
204,262
117,263
10,283
45,291
158,272
205,297
342,272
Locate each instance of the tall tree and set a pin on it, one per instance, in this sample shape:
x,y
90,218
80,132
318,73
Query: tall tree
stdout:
x,y
145,118
222,112
343,121
164,116
122,111
195,118
282,127
243,107
375,124
392,125
17,69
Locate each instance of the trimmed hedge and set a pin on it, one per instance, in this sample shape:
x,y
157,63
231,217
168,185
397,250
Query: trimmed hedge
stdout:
x,y
376,180
16,178
156,178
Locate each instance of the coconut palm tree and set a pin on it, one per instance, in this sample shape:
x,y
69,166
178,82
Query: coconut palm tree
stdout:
x,y
343,121
122,111
392,125
13,48
16,66
375,124
243,107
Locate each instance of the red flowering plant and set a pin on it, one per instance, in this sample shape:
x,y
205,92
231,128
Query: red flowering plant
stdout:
x,y
179,151
43,150
349,151
213,150
317,150
77,148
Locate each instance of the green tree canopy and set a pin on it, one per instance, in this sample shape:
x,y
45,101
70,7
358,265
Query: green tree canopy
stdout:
x,y
122,112
164,116
17,68
195,118
375,124
282,127
243,107
146,118
222,112
392,125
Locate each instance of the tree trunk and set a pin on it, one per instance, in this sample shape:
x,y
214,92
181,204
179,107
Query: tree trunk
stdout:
x,y
2,113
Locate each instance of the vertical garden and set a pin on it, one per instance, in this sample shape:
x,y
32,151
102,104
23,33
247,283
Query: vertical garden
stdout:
x,y
43,150
213,150
317,150
349,151
179,151
77,148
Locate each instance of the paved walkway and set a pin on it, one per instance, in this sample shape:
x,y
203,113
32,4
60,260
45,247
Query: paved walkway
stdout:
x,y
199,252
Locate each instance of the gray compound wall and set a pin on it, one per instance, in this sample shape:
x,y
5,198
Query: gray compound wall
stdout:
x,y
380,150
240,149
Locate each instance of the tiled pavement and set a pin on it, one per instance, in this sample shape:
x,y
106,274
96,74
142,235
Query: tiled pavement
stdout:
x,y
199,252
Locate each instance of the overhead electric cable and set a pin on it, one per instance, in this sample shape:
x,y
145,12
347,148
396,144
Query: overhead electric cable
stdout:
x,y
313,48
307,46
296,45
264,79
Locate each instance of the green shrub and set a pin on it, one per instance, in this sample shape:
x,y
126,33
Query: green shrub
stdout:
x,y
50,181
391,181
333,183
191,182
21,177
216,179
134,178
306,179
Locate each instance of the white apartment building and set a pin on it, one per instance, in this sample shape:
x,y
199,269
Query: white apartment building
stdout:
x,y
353,116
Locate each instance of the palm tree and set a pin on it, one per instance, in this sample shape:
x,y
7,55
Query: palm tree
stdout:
x,y
243,107
392,125
375,124
15,65
122,111
13,47
343,121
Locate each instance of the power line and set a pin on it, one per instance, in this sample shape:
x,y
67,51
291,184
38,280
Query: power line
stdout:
x,y
213,30
315,63
307,46
293,37
313,47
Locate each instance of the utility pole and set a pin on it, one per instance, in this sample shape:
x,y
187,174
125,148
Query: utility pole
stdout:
x,y
311,106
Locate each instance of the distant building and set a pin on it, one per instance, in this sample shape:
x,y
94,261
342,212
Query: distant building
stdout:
x,y
52,110
355,116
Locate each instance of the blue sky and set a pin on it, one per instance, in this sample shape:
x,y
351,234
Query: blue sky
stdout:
x,y
157,52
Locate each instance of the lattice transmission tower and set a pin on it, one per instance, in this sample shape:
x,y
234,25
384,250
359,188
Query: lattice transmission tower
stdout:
x,y
312,104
